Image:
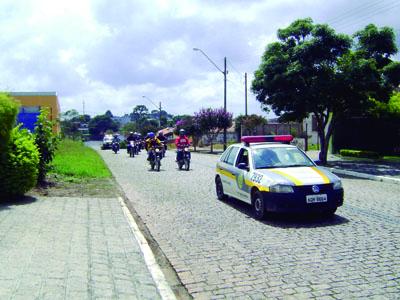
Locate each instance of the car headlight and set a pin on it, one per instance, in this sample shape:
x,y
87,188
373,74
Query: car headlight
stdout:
x,y
337,185
281,188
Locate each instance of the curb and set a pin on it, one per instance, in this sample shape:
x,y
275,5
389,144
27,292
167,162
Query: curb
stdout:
x,y
365,176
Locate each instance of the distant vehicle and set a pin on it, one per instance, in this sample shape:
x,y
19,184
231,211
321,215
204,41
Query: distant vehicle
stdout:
x,y
107,142
273,176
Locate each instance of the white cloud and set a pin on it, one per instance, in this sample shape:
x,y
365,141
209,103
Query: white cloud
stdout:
x,y
111,55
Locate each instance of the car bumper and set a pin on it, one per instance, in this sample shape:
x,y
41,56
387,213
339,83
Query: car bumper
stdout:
x,y
106,146
296,202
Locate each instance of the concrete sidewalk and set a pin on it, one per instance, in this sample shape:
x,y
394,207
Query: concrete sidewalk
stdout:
x,y
70,248
362,168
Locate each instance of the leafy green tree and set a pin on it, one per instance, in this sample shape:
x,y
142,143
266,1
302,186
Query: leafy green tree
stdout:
x,y
109,114
129,127
70,122
46,142
312,69
247,124
212,121
100,124
139,112
148,126
8,113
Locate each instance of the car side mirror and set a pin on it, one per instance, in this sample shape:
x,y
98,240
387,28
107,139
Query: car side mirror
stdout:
x,y
318,162
243,166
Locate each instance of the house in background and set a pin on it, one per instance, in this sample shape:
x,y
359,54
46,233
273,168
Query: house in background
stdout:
x,y
31,103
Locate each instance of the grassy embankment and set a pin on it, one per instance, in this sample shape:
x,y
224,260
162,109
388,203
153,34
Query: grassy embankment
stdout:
x,y
76,161
79,171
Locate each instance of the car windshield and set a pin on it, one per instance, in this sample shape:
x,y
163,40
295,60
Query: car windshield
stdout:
x,y
280,157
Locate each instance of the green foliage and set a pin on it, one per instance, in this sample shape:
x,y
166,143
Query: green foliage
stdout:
x,y
71,122
390,109
74,159
8,114
312,69
18,164
99,125
248,123
129,127
46,142
359,153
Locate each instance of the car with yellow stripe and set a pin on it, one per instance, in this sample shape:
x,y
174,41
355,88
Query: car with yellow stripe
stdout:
x,y
274,176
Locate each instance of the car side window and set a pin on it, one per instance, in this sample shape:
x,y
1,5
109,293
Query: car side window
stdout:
x,y
243,157
232,155
225,154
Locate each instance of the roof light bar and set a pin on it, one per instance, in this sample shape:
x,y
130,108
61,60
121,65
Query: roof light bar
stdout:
x,y
267,138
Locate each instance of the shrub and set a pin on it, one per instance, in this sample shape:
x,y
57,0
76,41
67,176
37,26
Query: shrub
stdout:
x,y
359,153
8,113
46,142
18,164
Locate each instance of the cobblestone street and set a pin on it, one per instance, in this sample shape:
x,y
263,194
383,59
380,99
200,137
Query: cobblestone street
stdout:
x,y
220,251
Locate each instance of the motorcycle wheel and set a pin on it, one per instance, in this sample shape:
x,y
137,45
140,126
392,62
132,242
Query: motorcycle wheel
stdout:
x,y
158,163
187,164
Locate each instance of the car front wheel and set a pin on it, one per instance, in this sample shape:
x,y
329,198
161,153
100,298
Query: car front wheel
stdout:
x,y
258,205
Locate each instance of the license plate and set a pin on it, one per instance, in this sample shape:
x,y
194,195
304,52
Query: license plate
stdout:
x,y
317,198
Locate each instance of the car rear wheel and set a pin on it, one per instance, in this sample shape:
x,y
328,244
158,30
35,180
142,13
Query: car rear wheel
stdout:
x,y
220,189
258,205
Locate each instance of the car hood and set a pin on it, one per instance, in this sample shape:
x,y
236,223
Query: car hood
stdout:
x,y
298,176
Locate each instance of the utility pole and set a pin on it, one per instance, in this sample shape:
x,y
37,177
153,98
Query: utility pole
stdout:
x,y
83,107
225,100
245,94
159,119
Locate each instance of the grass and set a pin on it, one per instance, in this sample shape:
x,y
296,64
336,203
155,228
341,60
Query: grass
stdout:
x,y
392,159
73,160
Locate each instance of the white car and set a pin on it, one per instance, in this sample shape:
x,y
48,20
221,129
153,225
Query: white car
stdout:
x,y
274,176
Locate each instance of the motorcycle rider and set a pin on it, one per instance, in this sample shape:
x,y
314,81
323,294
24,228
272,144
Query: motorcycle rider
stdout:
x,y
150,143
161,137
131,137
181,142
116,140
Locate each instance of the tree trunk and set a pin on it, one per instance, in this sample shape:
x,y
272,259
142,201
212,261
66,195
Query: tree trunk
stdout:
x,y
325,138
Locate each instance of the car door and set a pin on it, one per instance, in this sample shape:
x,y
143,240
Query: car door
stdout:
x,y
241,190
227,170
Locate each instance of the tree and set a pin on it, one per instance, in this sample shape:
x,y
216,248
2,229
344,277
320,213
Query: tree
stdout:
x,y
109,114
311,69
100,124
139,112
212,121
248,123
70,122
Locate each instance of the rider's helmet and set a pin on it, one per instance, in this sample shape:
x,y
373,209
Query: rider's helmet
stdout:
x,y
151,135
182,132
131,133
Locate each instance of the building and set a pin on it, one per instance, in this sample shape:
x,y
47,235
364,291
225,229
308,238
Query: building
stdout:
x,y
31,103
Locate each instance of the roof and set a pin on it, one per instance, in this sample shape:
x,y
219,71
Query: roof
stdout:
x,y
33,94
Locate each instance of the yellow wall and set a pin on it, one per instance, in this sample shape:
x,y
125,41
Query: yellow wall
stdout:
x,y
45,99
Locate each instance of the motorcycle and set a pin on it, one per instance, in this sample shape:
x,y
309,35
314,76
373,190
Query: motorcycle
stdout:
x,y
131,149
184,158
115,147
155,161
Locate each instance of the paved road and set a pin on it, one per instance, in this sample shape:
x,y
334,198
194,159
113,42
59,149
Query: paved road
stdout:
x,y
70,248
220,251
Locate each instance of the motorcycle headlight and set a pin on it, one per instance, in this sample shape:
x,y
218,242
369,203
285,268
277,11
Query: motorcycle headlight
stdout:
x,y
281,188
337,185
186,149
157,150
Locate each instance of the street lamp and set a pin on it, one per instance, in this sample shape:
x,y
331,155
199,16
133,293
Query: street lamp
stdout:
x,y
158,107
224,72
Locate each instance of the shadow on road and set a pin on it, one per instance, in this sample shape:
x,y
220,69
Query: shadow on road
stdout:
x,y
21,200
289,220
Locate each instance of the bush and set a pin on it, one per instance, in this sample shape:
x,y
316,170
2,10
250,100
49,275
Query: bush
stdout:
x,y
8,113
18,164
359,153
122,145
46,142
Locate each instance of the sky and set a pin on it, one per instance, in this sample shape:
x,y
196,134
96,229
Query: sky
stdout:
x,y
100,55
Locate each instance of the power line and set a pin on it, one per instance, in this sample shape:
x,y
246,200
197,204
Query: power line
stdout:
x,y
354,11
368,16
